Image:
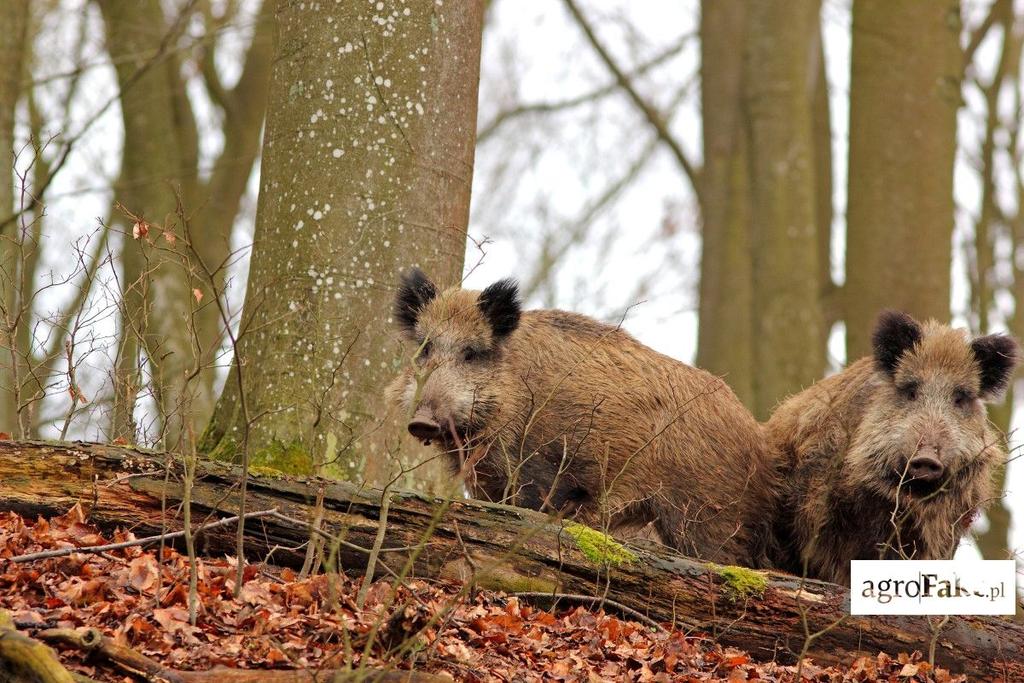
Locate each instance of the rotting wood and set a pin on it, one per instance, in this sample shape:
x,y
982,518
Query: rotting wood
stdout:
x,y
509,549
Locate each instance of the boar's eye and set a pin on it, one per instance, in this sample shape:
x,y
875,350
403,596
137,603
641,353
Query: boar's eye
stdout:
x,y
470,354
961,397
909,391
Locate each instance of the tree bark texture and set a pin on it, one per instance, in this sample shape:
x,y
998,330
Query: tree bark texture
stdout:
x,y
757,260
725,344
497,547
14,18
782,54
904,94
367,166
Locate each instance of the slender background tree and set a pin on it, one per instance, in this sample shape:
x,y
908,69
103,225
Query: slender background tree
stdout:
x,y
782,64
14,17
725,343
159,171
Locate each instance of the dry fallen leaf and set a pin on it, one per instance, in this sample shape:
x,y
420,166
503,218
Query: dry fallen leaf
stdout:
x,y
198,294
908,670
140,229
143,573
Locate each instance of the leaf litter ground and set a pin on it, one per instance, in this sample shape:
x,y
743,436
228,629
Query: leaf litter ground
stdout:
x,y
281,622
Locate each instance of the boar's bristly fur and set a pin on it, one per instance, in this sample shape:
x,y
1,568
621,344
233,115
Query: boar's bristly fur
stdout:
x,y
893,457
557,412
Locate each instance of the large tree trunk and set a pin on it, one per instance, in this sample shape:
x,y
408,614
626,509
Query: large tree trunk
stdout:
x,y
367,164
725,344
730,322
904,94
498,547
782,69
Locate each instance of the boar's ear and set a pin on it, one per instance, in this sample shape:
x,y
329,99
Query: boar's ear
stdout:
x,y
997,356
415,290
500,305
895,334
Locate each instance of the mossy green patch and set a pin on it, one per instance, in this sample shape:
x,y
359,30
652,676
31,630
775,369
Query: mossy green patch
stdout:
x,y
740,582
264,471
272,460
285,458
600,548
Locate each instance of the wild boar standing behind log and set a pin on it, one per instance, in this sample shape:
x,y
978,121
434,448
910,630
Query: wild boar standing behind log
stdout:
x,y
893,457
557,412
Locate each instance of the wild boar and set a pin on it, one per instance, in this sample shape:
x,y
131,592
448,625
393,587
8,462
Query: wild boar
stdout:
x,y
557,412
894,456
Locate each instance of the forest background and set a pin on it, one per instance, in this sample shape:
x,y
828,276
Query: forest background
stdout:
x,y
743,185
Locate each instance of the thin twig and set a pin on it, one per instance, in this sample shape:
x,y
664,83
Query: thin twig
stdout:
x,y
378,543
312,560
162,52
979,34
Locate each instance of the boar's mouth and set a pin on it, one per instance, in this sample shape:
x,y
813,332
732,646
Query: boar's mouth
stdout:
x,y
457,437
918,488
921,488
448,435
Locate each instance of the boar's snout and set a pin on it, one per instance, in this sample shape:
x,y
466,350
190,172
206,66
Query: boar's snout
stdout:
x,y
925,468
424,427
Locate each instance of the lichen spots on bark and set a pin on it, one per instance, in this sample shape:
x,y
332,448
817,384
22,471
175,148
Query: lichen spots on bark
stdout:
x,y
366,170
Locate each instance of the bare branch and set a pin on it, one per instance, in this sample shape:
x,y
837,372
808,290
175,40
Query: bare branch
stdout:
x,y
650,113
503,117
999,7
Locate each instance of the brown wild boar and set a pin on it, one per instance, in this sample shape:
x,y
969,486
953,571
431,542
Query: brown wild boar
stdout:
x,y
557,412
893,457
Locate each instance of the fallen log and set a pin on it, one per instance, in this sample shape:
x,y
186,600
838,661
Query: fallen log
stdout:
x,y
771,615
